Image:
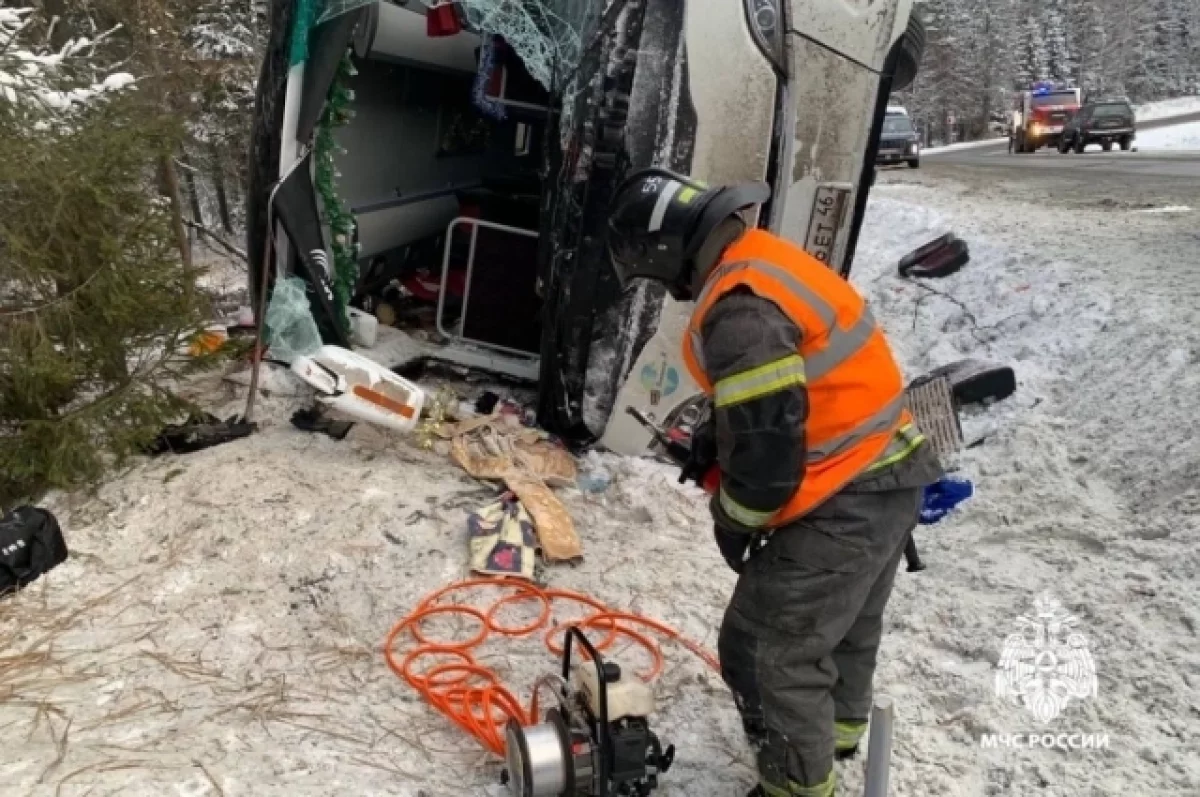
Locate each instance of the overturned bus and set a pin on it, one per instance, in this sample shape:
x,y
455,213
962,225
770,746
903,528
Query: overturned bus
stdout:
x,y
461,158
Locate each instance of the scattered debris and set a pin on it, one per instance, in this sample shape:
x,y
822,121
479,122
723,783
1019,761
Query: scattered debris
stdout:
x,y
442,408
922,251
976,381
198,432
555,529
292,332
314,420
486,404
364,328
526,460
522,414
932,403
941,257
943,496
493,447
361,388
31,543
503,540
207,341
594,481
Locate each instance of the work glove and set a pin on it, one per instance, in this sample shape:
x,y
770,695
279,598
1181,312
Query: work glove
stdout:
x,y
733,538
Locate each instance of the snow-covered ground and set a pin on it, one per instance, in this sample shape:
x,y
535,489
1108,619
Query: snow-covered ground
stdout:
x,y
1162,109
1087,486
217,630
1184,136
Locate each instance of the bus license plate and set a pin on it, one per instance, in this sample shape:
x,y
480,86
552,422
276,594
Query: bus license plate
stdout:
x,y
825,225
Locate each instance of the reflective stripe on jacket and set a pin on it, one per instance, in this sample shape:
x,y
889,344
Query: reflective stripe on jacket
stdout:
x,y
857,420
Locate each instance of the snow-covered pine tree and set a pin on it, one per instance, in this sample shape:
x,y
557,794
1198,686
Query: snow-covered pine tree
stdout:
x,y
979,51
931,98
94,301
1059,64
1032,59
1147,52
1172,41
1191,15
1088,42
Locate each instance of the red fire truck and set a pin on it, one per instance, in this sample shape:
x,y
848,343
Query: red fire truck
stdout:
x,y
1038,116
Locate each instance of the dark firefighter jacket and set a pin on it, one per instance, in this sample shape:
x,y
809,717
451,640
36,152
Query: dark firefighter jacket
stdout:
x,y
762,423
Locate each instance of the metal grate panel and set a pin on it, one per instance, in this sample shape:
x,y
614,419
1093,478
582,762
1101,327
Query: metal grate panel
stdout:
x,y
932,404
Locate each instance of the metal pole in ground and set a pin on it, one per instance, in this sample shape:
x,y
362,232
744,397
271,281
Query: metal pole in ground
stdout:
x,y
879,748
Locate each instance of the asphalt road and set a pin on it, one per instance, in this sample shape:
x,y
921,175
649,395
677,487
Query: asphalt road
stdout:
x,y
1183,165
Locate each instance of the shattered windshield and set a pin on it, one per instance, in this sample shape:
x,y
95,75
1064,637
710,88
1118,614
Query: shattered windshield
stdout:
x,y
548,35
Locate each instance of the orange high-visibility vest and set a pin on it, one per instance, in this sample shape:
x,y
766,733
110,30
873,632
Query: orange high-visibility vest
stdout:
x,y
857,417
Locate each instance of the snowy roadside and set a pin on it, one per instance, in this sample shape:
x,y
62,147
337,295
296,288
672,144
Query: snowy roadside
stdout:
x,y
1174,137
217,631
1163,109
1087,484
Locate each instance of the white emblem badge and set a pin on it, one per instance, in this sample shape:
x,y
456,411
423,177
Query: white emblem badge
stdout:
x,y
1046,663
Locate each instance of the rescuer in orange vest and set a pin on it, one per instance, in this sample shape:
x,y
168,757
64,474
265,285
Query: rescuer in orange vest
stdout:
x,y
822,467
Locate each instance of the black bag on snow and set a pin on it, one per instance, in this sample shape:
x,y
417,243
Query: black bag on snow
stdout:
x,y
31,543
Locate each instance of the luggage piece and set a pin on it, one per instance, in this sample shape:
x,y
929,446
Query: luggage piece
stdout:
x,y
975,381
31,543
923,251
941,261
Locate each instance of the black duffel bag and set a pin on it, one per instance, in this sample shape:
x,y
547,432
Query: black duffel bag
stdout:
x,y
31,543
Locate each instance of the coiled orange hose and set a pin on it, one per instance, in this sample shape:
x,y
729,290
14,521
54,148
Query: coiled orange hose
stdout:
x,y
471,695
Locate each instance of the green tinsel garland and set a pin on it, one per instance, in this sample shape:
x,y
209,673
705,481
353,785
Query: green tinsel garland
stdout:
x,y
339,219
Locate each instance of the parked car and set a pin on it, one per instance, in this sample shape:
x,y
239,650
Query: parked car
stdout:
x,y
1104,122
899,142
484,194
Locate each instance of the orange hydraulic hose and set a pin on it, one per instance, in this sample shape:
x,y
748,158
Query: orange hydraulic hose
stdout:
x,y
471,695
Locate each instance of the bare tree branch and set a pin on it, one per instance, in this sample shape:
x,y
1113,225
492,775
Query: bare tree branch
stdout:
x,y
213,236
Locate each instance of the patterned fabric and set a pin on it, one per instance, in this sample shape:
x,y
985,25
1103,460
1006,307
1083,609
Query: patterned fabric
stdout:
x,y
503,540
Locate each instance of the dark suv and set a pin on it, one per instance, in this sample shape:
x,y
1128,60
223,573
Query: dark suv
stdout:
x,y
1100,122
899,140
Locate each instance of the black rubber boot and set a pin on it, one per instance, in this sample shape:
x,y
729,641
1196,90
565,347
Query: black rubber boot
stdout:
x,y
845,755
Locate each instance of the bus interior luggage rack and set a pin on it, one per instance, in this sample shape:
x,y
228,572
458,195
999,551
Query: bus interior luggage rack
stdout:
x,y
471,352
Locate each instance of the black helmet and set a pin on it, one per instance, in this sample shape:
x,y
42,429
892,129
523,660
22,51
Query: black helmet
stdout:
x,y
660,219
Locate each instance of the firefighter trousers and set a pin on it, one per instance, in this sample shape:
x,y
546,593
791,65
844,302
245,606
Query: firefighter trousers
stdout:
x,y
800,637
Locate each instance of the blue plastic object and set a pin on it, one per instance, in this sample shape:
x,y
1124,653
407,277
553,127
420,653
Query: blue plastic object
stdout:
x,y
943,496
